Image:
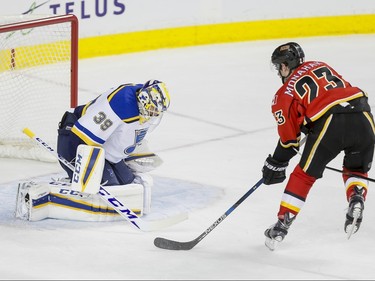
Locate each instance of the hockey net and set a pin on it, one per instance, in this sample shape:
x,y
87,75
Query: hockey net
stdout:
x,y
38,80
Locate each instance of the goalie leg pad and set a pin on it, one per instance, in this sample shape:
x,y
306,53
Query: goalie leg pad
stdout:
x,y
147,182
30,194
23,201
54,200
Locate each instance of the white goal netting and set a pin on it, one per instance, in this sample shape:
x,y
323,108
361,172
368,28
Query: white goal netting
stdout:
x,y
36,71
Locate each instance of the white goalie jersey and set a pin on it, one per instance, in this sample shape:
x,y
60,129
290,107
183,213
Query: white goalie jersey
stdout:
x,y
112,121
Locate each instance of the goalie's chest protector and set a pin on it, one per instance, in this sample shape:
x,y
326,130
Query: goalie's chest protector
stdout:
x,y
112,121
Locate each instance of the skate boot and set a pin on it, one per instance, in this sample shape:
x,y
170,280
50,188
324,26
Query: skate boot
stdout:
x,y
277,232
355,211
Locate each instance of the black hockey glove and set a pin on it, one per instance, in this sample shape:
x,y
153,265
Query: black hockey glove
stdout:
x,y
274,171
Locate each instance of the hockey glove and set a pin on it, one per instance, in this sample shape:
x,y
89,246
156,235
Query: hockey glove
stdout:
x,y
274,171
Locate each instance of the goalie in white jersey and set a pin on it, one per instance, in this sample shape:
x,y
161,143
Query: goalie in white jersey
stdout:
x,y
117,122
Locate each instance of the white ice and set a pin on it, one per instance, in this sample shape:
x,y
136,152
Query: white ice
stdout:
x,y
213,141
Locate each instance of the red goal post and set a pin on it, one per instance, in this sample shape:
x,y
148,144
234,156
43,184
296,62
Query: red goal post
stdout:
x,y
38,79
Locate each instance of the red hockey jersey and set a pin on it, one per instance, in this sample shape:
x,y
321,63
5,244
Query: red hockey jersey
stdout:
x,y
312,89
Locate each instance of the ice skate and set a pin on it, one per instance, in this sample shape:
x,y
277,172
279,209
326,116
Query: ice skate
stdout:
x,y
355,212
277,232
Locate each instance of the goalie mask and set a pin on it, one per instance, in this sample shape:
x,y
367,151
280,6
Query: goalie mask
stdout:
x,y
153,100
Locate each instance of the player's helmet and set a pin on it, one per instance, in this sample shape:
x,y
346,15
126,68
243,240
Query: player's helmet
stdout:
x,y
291,54
153,100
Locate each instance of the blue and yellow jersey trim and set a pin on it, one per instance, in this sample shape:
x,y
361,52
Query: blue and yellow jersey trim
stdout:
x,y
87,136
122,101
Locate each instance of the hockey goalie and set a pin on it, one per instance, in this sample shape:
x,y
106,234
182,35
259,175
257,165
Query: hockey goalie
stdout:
x,y
104,140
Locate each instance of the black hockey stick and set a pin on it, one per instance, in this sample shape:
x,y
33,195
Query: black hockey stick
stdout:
x,y
351,174
341,171
164,243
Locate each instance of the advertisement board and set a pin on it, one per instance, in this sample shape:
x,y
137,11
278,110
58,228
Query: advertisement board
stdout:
x,y
100,17
118,26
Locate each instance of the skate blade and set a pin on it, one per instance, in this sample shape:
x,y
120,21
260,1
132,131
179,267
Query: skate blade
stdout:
x,y
272,243
352,228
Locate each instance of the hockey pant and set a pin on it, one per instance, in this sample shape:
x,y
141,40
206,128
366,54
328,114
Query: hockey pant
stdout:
x,y
351,133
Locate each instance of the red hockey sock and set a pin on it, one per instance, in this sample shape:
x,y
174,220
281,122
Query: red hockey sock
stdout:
x,y
295,192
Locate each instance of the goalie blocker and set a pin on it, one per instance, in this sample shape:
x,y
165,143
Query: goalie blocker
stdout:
x,y
80,200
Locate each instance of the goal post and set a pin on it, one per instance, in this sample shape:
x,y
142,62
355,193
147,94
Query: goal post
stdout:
x,y
38,80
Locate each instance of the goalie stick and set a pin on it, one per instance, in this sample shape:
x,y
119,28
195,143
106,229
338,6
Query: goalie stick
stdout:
x,y
111,200
168,244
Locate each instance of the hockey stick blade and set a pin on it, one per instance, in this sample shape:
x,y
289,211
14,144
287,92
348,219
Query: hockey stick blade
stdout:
x,y
174,245
111,200
168,244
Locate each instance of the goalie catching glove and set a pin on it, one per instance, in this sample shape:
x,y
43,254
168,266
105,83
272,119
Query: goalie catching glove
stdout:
x,y
274,171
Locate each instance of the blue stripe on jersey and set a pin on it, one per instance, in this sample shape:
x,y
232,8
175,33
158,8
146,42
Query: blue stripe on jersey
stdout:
x,y
86,135
123,102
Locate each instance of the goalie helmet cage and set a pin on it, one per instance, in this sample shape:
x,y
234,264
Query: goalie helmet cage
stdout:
x,y
38,80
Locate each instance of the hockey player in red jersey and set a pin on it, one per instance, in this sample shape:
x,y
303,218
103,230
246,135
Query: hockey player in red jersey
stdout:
x,y
335,116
